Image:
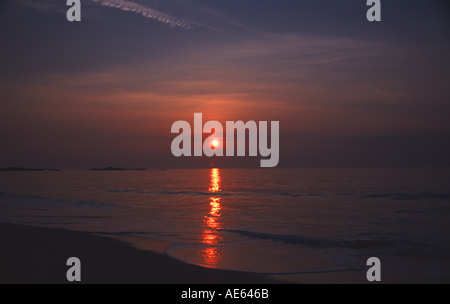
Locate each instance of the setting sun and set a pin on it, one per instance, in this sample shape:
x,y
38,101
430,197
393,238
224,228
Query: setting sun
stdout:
x,y
214,144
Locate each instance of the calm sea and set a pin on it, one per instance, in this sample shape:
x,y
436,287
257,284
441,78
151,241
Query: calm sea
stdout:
x,y
261,220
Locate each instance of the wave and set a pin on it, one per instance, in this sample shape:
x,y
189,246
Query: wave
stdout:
x,y
72,216
27,199
170,251
346,255
394,196
220,194
138,233
409,196
316,242
396,244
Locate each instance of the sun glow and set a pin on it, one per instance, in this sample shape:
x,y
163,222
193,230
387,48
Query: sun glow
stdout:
x,y
214,144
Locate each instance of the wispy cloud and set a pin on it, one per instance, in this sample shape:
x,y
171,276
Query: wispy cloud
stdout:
x,y
147,12
185,14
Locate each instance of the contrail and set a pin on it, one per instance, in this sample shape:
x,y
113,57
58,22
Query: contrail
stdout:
x,y
146,12
185,14
179,13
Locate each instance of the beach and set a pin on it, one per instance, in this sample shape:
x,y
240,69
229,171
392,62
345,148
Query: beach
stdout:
x,y
38,255
35,255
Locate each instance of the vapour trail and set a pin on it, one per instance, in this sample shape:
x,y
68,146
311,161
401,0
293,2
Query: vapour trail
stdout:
x,y
146,12
179,13
185,14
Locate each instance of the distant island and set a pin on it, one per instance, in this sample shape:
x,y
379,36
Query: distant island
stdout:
x,y
115,169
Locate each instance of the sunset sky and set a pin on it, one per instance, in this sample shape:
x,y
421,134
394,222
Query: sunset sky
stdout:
x,y
106,90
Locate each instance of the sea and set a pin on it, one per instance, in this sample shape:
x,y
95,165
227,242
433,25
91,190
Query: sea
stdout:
x,y
270,221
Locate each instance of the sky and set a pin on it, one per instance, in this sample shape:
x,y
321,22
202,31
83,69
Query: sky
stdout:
x,y
106,90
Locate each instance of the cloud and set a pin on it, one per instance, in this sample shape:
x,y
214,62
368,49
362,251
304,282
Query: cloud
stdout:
x,y
179,13
183,14
146,12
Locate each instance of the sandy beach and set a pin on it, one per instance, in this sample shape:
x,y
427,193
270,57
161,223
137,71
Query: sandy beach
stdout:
x,y
39,255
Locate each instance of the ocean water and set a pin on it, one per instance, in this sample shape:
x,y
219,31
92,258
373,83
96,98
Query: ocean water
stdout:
x,y
274,221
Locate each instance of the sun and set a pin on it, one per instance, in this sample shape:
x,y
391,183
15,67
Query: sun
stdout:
x,y
214,143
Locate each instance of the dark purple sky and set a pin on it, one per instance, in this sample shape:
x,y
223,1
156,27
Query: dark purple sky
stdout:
x,y
105,91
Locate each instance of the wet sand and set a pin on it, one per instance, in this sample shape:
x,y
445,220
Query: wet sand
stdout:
x,y
39,255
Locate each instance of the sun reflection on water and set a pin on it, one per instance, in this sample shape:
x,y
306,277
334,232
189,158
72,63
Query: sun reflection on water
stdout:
x,y
212,223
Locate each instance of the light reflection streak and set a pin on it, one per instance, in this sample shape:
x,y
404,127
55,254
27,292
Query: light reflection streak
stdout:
x,y
212,223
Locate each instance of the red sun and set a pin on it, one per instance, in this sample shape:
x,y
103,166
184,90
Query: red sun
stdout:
x,y
214,144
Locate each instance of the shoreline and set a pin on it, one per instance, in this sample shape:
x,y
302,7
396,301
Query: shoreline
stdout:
x,y
38,255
